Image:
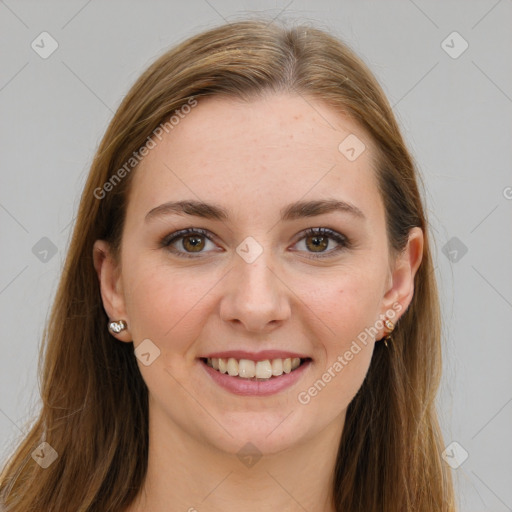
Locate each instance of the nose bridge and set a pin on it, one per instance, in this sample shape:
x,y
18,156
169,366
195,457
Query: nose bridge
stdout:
x,y
256,278
256,296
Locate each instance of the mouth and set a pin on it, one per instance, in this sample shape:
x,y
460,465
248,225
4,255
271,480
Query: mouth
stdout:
x,y
249,370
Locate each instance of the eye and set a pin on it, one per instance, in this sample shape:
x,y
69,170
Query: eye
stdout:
x,y
317,240
188,242
191,240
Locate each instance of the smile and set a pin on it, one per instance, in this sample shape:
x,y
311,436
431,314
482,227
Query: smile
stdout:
x,y
259,374
255,370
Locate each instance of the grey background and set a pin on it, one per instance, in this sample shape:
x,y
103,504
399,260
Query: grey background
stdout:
x,y
456,117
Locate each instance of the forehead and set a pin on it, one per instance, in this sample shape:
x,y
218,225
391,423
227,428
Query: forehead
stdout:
x,y
269,151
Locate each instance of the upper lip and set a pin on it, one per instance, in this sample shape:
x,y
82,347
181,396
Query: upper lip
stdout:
x,y
255,356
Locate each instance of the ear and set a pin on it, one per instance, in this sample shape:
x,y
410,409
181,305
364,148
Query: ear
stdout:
x,y
400,287
111,287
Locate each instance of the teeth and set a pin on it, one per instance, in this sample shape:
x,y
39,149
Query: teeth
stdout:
x,y
277,367
232,367
249,369
263,369
223,365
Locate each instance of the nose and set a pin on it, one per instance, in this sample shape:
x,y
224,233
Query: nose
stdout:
x,y
256,298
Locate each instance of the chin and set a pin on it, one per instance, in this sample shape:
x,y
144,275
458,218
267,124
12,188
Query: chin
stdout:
x,y
250,431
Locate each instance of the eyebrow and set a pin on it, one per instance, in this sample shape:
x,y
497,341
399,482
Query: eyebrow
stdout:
x,y
297,210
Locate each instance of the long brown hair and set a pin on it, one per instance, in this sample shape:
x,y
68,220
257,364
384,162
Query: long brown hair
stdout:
x,y
94,400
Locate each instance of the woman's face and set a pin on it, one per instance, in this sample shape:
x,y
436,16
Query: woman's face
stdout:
x,y
253,280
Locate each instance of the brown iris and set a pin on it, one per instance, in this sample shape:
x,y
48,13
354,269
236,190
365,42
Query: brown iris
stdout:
x,y
320,242
196,243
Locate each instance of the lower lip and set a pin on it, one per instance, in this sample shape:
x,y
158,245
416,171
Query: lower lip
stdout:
x,y
247,387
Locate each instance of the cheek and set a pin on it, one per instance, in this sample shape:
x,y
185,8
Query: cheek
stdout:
x,y
165,306
340,381
347,303
169,308
348,306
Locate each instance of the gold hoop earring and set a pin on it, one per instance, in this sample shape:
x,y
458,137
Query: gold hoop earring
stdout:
x,y
390,325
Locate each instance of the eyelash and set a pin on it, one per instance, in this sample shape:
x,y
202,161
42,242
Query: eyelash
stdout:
x,y
344,242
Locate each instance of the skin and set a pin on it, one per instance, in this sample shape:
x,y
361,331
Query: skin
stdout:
x,y
253,159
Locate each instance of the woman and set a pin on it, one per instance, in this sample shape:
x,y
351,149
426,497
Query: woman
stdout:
x,y
248,314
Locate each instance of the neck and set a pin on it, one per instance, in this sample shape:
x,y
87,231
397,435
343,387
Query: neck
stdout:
x,y
187,474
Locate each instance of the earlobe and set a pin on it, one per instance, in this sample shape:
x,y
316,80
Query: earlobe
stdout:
x,y
402,280
110,287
